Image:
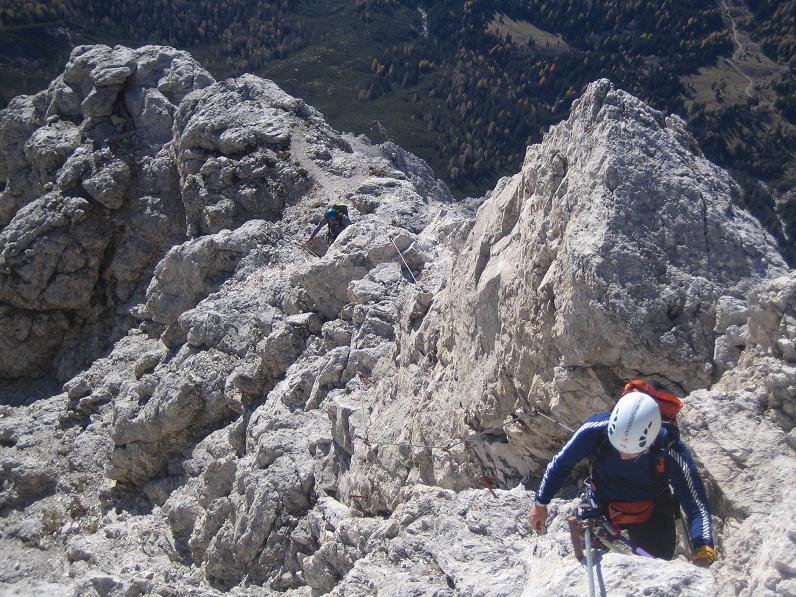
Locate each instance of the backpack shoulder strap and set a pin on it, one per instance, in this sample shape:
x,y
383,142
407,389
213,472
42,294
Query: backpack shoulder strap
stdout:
x,y
600,451
670,438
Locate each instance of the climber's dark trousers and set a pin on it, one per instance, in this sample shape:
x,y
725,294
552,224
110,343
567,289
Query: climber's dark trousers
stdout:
x,y
657,534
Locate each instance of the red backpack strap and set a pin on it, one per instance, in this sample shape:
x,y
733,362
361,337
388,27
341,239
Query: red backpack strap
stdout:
x,y
669,404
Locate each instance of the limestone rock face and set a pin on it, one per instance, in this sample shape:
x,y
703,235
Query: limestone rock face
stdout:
x,y
215,406
443,543
742,428
355,419
605,258
90,202
233,145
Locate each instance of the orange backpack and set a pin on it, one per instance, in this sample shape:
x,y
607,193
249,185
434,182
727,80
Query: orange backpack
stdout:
x,y
669,404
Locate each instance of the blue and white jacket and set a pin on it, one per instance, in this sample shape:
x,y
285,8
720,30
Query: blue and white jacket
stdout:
x,y
620,480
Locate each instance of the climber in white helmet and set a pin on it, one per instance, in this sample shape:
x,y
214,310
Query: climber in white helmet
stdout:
x,y
636,460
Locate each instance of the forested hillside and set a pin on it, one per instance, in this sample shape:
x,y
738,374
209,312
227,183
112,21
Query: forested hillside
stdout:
x,y
500,94
467,84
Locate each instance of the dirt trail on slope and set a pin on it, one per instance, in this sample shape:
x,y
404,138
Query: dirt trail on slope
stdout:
x,y
741,45
748,59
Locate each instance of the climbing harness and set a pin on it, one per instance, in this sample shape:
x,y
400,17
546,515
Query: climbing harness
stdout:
x,y
605,530
590,521
590,529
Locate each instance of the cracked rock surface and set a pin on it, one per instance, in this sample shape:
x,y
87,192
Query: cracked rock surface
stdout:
x,y
242,415
90,203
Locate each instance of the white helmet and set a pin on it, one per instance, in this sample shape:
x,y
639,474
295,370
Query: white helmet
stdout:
x,y
634,423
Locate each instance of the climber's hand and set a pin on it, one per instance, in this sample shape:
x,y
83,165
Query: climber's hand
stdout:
x,y
704,556
538,516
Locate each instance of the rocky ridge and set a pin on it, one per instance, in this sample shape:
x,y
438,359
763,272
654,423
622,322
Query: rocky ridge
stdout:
x,y
271,420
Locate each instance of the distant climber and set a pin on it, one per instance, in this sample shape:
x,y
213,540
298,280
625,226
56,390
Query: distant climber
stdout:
x,y
636,459
336,220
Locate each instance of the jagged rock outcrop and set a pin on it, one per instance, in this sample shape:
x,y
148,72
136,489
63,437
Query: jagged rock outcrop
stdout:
x,y
743,430
232,145
604,259
321,421
90,202
201,408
